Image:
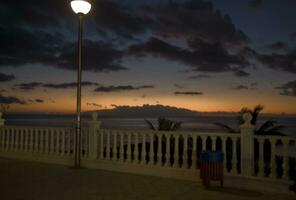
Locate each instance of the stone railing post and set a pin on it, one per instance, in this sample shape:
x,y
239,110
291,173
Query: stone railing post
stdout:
x,y
247,145
93,126
1,120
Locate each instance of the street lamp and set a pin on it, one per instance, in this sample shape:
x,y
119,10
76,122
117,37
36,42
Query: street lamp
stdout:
x,y
81,8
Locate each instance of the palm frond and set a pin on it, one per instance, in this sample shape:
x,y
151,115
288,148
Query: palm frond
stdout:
x,y
150,124
258,108
265,126
230,130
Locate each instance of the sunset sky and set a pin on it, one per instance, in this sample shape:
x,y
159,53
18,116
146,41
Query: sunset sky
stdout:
x,y
197,54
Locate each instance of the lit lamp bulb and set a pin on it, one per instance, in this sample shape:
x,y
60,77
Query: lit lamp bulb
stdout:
x,y
80,6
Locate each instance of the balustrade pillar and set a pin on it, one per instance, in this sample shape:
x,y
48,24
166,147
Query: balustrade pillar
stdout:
x,y
93,127
247,145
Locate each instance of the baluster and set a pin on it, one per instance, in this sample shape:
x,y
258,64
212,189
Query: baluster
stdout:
x,y
63,135
261,164
159,150
167,151
21,144
58,141
151,154
47,141
224,140
16,143
286,160
41,140
52,133
272,159
121,154
176,152
6,134
129,150
31,140
101,144
108,146
26,139
204,143
136,152
95,144
185,153
36,140
214,139
114,151
143,152
11,139
3,138
194,156
234,157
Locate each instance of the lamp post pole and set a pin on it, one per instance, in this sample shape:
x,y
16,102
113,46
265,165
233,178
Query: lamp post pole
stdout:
x,y
78,103
81,8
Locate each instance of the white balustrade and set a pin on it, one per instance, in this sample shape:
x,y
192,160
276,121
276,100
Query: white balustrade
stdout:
x,y
132,147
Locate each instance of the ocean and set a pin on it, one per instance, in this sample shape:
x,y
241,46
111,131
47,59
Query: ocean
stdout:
x,y
199,123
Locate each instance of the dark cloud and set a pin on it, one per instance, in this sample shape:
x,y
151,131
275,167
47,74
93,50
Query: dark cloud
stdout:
x,y
39,101
199,76
241,87
10,100
121,88
194,20
6,78
28,86
189,93
179,86
240,73
255,4
94,104
21,47
293,36
285,62
288,89
34,85
278,46
254,84
209,58
69,85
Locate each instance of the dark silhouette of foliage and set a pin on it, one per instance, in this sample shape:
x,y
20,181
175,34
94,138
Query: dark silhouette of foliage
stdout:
x,y
267,128
164,125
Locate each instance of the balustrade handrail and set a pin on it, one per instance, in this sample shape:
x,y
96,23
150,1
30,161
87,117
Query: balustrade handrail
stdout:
x,y
177,133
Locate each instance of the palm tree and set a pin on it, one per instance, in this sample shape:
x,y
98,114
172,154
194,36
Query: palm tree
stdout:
x,y
164,125
267,128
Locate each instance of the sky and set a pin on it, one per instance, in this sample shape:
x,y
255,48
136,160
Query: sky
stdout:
x,y
197,54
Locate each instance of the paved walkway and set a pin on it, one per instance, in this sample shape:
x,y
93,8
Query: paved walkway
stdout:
x,y
21,180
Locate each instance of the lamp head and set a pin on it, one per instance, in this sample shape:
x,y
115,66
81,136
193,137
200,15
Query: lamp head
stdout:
x,y
80,6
